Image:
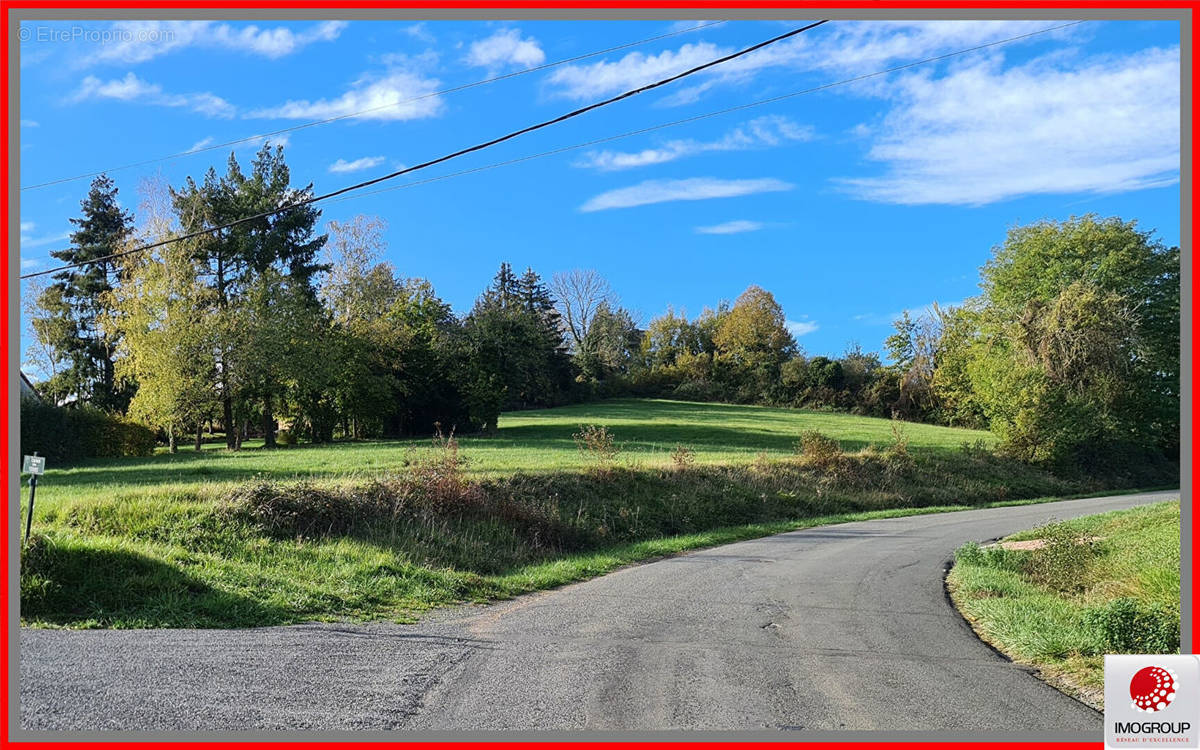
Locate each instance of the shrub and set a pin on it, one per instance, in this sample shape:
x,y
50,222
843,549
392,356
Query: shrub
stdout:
x,y
683,457
66,435
1126,626
596,443
1062,561
820,449
439,477
972,553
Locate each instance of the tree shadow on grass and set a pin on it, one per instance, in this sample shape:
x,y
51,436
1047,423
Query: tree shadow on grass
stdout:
x,y
70,582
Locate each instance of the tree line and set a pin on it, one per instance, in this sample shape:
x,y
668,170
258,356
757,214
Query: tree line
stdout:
x,y
274,330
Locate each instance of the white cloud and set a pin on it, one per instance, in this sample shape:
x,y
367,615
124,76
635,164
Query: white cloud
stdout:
x,y
28,264
29,123
256,142
138,41
678,26
503,49
341,165
396,95
135,90
981,134
770,130
30,242
693,189
844,47
419,32
632,70
916,311
731,227
202,143
27,226
800,328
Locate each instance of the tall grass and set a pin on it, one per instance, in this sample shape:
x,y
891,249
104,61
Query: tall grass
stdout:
x,y
1101,584
386,530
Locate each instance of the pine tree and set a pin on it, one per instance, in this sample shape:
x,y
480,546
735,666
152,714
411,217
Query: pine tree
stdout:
x,y
235,263
78,299
504,291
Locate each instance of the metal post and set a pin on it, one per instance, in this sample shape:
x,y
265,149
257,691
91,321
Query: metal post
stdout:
x,y
32,492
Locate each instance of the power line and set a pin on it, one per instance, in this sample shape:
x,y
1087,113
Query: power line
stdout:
x,y
716,113
302,126
440,159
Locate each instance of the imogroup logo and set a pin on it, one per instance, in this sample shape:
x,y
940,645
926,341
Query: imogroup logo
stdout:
x,y
1152,689
1151,700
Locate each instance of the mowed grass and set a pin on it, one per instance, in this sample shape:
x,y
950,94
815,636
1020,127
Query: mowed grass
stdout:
x,y
1114,589
389,529
528,441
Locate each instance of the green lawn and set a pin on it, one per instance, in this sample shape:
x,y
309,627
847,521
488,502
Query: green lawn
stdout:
x,y
1107,583
388,529
527,441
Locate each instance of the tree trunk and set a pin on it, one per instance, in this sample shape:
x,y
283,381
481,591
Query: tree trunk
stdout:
x,y
171,446
268,424
231,432
200,435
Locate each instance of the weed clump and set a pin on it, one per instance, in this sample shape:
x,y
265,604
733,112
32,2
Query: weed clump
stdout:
x,y
439,476
683,457
1062,561
1126,626
597,444
820,450
994,556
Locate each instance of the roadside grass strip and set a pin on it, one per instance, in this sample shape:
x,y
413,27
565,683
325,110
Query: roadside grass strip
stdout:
x,y
1100,584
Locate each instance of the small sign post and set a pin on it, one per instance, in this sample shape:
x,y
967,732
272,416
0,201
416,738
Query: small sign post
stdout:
x,y
34,466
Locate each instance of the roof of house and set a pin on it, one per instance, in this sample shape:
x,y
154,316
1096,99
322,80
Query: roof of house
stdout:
x,y
27,387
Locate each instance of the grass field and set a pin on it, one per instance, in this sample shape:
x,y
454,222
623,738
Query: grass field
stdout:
x,y
1101,584
528,441
387,529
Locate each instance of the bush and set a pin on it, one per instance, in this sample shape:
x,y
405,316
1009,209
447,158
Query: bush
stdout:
x,y
66,435
1126,626
596,443
683,457
820,449
972,553
1061,563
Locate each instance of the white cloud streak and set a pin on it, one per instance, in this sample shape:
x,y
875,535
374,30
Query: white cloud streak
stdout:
x,y
693,189
982,134
771,130
39,242
203,142
342,166
800,328
844,47
505,48
132,42
731,227
136,91
389,96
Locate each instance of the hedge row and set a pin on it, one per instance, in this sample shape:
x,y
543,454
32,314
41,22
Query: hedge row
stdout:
x,y
65,435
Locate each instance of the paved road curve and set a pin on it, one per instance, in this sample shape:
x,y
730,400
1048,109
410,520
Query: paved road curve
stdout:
x,y
839,627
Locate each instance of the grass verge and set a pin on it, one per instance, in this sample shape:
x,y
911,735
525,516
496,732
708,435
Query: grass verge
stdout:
x,y
391,547
1101,584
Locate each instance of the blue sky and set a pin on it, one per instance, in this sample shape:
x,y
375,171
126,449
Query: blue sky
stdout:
x,y
850,204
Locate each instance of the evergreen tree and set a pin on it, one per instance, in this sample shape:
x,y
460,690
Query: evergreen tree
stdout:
x,y
79,299
235,261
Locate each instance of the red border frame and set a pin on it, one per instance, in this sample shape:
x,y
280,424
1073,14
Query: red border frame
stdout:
x,y
334,7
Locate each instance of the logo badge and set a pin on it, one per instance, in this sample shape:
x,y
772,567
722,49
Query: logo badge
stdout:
x,y
1152,689
1151,700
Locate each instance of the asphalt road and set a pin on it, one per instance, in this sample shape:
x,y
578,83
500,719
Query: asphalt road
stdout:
x,y
838,627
